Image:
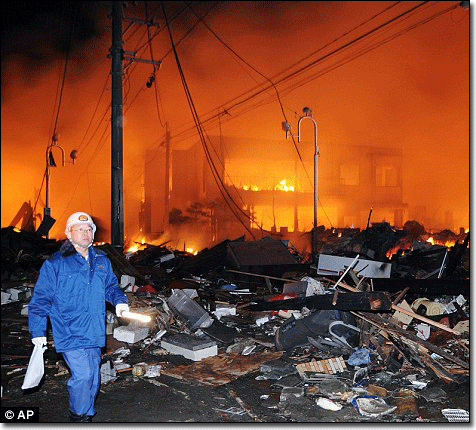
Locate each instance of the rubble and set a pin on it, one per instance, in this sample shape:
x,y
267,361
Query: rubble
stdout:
x,y
372,331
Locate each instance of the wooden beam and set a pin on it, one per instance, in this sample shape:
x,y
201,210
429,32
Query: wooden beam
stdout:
x,y
377,301
394,329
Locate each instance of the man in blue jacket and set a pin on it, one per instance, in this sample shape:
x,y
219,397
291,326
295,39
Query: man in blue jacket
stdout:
x,y
72,289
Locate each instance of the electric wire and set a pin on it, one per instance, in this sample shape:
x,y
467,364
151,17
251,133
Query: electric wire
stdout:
x,y
227,107
58,108
213,168
227,46
221,115
272,83
403,15
251,67
222,188
93,116
154,67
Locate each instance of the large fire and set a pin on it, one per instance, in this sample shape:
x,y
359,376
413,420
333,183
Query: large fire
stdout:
x,y
136,246
407,245
447,243
281,186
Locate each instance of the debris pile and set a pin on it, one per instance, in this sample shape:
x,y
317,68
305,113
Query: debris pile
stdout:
x,y
374,328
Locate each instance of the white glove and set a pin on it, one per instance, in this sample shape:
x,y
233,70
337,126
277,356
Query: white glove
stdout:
x,y
39,341
120,308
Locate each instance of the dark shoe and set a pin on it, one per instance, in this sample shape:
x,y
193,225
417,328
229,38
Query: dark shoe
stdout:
x,y
80,418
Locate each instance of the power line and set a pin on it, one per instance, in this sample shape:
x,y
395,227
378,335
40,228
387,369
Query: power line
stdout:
x,y
196,118
225,109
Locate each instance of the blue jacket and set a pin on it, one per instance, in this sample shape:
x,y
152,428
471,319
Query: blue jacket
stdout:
x,y
72,292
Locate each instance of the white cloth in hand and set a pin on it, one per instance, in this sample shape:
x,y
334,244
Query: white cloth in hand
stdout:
x,y
120,308
39,341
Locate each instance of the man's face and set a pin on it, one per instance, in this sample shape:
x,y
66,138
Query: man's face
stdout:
x,y
81,235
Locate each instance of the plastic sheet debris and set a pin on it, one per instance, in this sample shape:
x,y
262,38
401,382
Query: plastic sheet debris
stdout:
x,y
122,352
359,357
223,310
372,406
456,415
423,331
418,384
328,404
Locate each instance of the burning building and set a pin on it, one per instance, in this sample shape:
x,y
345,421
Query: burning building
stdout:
x,y
272,183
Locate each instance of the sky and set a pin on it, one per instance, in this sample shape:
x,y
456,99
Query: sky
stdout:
x,y
374,73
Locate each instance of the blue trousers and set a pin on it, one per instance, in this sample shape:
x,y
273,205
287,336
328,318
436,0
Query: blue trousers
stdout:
x,y
83,386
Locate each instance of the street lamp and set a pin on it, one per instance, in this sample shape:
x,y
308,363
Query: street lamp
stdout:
x,y
50,162
286,127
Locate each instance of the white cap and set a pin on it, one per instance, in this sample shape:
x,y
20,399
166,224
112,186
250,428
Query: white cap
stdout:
x,y
80,218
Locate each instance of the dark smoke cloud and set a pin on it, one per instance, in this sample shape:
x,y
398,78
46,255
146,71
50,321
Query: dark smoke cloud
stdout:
x,y
37,33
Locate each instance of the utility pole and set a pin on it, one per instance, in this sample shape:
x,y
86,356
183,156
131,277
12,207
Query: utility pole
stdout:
x,y
117,188
117,174
167,177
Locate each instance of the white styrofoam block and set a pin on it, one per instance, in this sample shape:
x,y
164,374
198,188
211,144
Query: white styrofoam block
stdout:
x,y
130,334
15,294
196,355
5,298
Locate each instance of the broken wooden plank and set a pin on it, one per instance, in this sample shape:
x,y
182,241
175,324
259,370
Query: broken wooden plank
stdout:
x,y
362,301
437,368
412,314
394,329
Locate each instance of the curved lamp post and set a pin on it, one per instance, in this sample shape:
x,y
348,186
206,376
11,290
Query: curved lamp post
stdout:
x,y
286,127
50,162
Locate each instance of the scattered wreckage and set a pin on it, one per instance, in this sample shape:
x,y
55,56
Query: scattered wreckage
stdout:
x,y
368,326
